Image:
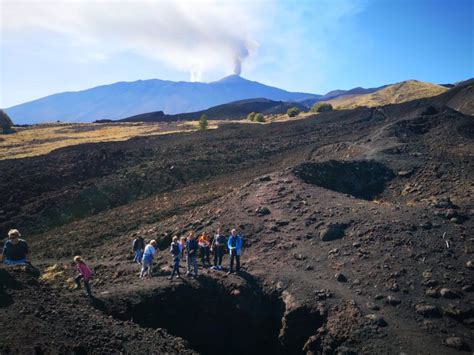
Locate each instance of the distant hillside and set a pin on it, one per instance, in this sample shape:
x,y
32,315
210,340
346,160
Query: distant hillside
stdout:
x,y
392,94
126,99
233,110
460,97
338,93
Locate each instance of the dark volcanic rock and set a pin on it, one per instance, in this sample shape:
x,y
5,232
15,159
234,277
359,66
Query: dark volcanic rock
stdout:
x,y
427,310
332,232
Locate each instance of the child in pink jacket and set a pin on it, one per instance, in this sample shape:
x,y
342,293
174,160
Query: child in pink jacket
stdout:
x,y
84,273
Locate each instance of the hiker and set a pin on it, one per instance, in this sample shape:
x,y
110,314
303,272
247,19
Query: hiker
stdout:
x,y
176,252
138,247
204,245
147,260
191,251
234,244
218,245
183,248
15,250
85,274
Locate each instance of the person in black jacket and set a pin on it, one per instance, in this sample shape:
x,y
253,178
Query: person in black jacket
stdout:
x,y
192,248
175,251
138,247
218,247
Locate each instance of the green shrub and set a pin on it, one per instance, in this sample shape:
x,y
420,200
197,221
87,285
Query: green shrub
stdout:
x,y
259,117
203,122
251,116
293,112
321,107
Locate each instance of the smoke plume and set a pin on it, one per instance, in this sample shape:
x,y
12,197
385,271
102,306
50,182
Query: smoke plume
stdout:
x,y
193,36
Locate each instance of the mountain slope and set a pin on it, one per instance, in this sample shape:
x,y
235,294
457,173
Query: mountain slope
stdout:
x,y
233,110
339,93
461,97
126,99
396,93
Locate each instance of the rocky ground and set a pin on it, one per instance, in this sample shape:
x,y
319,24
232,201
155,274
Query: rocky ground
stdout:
x,y
357,225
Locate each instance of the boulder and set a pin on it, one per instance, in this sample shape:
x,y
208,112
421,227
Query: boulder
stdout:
x,y
332,232
376,319
448,293
393,301
455,343
427,310
262,211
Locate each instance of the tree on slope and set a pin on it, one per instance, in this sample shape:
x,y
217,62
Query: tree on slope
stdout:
x,y
203,122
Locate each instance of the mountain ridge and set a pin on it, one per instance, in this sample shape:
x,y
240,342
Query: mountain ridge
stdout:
x,y
125,99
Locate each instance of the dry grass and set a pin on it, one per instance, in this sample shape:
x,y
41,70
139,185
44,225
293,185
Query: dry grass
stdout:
x,y
42,139
396,93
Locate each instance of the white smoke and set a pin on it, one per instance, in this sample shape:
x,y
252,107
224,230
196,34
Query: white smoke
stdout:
x,y
193,36
239,57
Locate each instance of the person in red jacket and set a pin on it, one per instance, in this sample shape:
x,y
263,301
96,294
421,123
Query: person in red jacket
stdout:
x,y
84,274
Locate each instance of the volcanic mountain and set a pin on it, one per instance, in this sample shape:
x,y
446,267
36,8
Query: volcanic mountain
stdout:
x,y
124,99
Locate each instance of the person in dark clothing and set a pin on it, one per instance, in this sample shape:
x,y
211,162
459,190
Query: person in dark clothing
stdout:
x,y
138,247
175,251
234,244
218,245
15,250
192,248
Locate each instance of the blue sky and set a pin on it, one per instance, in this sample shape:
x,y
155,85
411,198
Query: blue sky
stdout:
x,y
314,46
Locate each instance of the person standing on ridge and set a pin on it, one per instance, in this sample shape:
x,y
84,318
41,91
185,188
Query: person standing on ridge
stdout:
x,y
191,251
183,248
234,244
138,247
218,245
147,260
204,245
175,251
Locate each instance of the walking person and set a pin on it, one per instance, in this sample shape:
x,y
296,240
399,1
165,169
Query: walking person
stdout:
x,y
147,260
175,251
15,250
138,247
85,274
191,251
204,246
218,245
234,244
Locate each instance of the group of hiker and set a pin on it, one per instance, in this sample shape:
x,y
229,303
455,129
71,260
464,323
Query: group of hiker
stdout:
x,y
15,252
188,249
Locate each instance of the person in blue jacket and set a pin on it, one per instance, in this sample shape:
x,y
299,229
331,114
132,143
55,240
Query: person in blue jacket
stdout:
x,y
234,243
